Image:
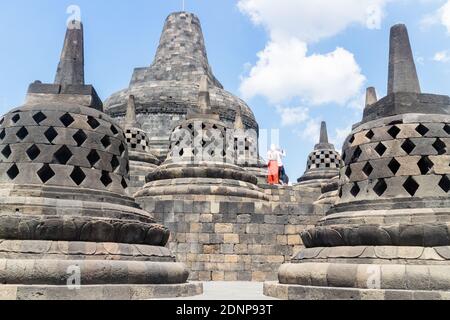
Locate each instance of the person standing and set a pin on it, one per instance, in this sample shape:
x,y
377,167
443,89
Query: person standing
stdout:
x,y
281,171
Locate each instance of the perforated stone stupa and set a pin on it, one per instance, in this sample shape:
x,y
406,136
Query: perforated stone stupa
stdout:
x,y
65,218
323,163
388,237
167,91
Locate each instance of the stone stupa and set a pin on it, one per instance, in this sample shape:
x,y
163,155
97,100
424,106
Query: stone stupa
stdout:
x,y
67,228
167,91
388,237
323,163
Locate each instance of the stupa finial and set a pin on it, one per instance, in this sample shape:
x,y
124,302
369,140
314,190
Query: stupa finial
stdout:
x,y
71,66
371,96
130,120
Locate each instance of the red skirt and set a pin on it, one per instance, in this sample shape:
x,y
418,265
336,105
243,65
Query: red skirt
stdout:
x,y
273,177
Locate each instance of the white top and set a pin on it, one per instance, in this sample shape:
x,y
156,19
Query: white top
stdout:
x,y
276,155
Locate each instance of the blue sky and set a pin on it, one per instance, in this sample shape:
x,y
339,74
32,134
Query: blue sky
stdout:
x,y
296,62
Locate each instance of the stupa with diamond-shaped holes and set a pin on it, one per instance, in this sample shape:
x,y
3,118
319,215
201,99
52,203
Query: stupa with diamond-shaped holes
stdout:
x,y
65,217
388,236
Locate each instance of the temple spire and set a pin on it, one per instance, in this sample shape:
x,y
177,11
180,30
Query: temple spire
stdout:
x,y
71,66
238,122
402,69
204,101
323,133
130,120
371,96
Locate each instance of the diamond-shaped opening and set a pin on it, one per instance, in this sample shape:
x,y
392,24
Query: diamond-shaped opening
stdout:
x,y
445,184
440,146
121,149
106,141
422,130
7,151
447,128
352,139
355,190
411,186
93,123
380,149
63,155
115,163
408,146
380,187
394,131
114,130
3,134
67,120
394,166
106,178
51,134
370,135
368,169
1,121
124,183
13,172
46,173
39,117
356,154
22,133
181,153
16,118
80,137
425,165
93,157
78,175
33,152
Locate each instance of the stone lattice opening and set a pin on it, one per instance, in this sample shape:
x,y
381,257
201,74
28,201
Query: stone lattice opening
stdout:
x,y
394,132
93,123
67,120
445,184
39,117
380,188
78,175
3,134
380,149
22,133
355,190
447,129
368,169
16,118
115,163
408,146
121,149
106,178
370,135
411,186
440,146
394,166
356,154
351,140
422,130
106,142
124,183
13,172
33,152
80,137
51,134
63,155
93,158
114,130
425,165
46,173
7,151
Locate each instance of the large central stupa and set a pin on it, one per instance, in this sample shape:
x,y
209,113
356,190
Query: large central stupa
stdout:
x,y
167,91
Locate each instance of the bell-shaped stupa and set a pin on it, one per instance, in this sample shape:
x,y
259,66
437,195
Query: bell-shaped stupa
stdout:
x,y
68,230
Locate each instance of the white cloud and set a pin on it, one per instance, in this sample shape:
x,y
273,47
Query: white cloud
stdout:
x,y
292,116
442,56
312,20
340,136
440,16
286,70
311,131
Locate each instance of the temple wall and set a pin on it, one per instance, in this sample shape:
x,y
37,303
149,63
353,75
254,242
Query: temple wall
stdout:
x,y
237,239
